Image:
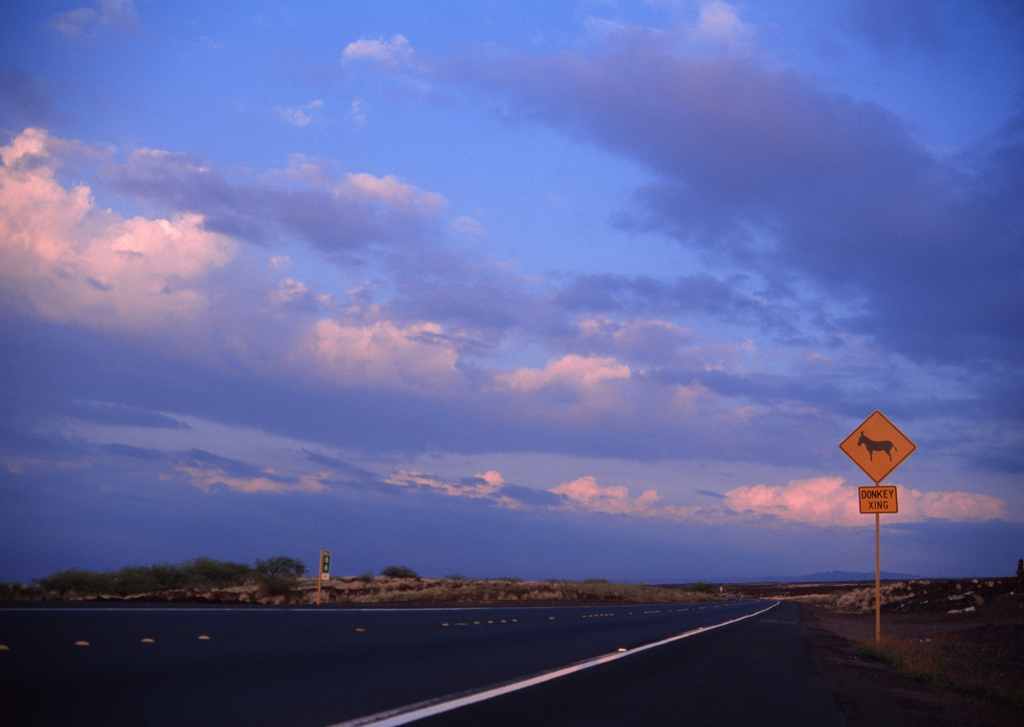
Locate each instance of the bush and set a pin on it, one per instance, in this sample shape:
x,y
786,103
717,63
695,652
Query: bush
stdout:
x,y
16,592
702,587
80,581
210,573
277,576
399,571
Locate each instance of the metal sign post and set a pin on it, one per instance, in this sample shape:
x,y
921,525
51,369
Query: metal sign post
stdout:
x,y
325,572
877,447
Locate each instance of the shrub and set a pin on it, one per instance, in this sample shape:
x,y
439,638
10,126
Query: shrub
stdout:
x,y
210,573
16,591
277,576
365,576
80,581
702,587
399,571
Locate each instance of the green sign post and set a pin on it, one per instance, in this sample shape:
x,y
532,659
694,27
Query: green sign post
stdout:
x,y
325,572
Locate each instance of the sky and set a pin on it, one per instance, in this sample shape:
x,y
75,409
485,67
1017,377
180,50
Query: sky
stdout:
x,y
581,289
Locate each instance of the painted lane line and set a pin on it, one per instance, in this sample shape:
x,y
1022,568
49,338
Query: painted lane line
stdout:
x,y
429,708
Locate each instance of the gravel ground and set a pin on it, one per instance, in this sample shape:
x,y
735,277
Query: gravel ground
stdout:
x,y
873,694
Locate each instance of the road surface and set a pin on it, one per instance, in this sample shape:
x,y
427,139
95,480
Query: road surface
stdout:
x,y
317,667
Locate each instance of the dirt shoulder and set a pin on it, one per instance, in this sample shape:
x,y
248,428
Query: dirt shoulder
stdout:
x,y
873,694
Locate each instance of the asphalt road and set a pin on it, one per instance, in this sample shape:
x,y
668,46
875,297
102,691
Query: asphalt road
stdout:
x,y
318,667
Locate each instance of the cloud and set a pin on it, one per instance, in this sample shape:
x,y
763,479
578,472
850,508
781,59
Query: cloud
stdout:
x,y
897,25
575,372
830,501
358,112
458,355
586,494
209,480
328,213
384,355
89,23
488,485
718,24
394,51
391,191
466,225
70,261
302,115
807,192
651,341
105,413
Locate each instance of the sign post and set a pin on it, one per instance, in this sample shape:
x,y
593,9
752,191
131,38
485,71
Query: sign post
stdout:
x,y
325,572
877,447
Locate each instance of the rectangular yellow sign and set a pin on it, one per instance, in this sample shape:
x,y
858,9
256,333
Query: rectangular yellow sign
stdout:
x,y
878,499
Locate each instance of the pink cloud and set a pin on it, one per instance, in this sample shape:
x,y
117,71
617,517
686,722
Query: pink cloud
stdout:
x,y
71,261
821,500
390,190
383,354
206,479
586,494
483,485
578,372
831,501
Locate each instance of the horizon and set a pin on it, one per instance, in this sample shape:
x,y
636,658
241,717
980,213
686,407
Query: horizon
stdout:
x,y
577,288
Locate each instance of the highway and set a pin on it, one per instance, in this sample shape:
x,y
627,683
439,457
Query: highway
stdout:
x,y
317,667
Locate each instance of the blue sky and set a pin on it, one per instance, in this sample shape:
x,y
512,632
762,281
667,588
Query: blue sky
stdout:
x,y
572,289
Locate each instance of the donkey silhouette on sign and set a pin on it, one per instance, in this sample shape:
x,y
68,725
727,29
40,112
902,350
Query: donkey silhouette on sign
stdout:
x,y
872,446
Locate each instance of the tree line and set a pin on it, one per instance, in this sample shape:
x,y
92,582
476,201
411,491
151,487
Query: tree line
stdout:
x,y
274,575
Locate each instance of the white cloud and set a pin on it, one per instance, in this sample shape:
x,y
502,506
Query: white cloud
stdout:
x,y
465,225
358,112
302,115
392,51
71,261
719,23
88,22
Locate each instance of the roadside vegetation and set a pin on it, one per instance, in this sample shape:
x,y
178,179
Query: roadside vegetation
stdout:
x,y
988,665
460,589
280,580
200,573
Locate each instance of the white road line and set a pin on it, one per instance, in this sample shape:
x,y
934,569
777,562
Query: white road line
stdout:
x,y
413,712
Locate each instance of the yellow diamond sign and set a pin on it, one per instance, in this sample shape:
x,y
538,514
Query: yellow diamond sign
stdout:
x,y
877,447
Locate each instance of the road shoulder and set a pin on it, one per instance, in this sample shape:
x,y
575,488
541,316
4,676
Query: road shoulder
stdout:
x,y
872,694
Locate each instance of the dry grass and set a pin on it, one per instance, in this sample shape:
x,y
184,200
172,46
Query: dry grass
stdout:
x,y
988,663
354,590
860,600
